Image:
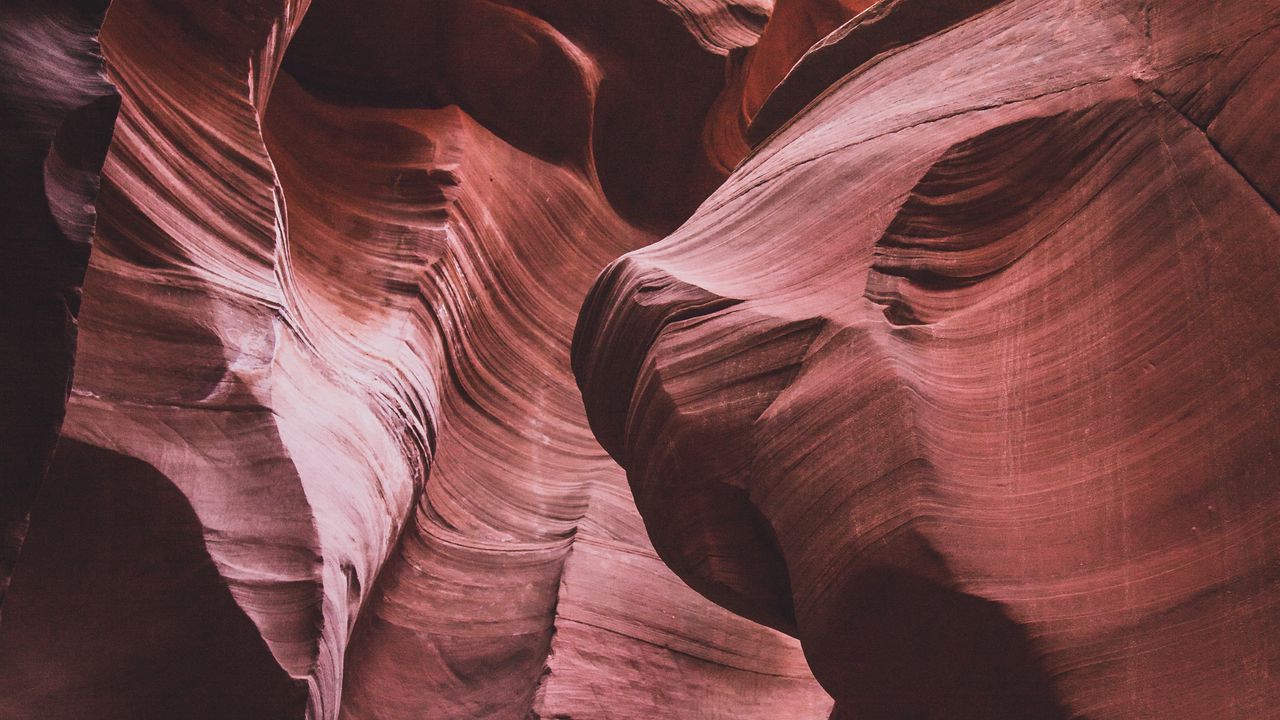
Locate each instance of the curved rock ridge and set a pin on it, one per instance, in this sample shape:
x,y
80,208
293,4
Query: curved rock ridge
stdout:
x,y
953,384
967,375
324,456
794,27
620,89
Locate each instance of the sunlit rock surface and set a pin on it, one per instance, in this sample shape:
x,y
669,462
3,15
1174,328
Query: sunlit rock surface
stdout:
x,y
324,455
932,361
969,376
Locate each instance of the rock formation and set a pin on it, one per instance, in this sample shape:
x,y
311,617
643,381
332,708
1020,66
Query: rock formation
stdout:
x,y
324,454
56,111
951,391
968,375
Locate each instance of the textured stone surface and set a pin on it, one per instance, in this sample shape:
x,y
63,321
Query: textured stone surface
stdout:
x,y
968,375
953,386
324,454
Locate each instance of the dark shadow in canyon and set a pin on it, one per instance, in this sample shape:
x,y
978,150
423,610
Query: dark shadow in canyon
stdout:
x,y
117,611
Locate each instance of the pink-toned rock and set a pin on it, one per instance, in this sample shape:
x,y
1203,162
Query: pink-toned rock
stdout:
x,y
323,406
968,375
794,26
957,370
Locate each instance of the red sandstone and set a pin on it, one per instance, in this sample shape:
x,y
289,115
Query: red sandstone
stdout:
x,y
929,351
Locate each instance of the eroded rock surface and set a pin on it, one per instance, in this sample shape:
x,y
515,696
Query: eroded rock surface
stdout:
x,y
953,384
324,455
967,376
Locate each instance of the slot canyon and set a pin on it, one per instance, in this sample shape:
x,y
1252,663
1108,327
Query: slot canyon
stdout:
x,y
629,359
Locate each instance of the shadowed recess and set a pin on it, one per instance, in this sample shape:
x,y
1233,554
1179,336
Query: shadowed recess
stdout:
x,y
911,648
117,611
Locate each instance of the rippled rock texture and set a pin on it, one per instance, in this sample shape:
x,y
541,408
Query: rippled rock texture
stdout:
x,y
969,376
951,392
324,455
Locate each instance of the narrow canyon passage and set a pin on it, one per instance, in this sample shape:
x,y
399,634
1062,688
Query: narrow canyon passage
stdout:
x,y
335,316
607,360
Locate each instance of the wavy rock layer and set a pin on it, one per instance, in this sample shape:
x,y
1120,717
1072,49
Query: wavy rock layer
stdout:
x,y
965,376
324,455
968,375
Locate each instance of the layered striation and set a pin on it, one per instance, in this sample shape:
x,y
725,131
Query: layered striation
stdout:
x,y
950,392
967,375
324,455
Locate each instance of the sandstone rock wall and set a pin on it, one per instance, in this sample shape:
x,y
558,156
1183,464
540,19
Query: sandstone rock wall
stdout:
x,y
324,455
967,375
640,359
